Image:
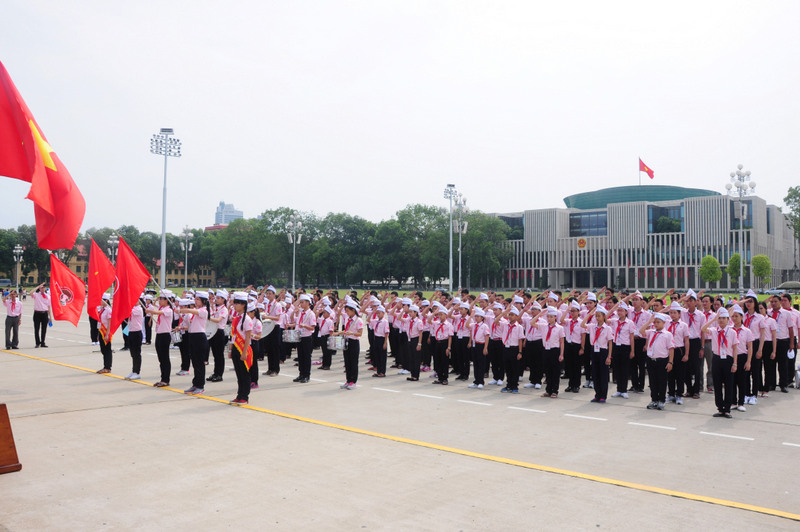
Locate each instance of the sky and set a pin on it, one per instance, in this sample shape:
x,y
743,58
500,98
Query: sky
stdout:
x,y
366,106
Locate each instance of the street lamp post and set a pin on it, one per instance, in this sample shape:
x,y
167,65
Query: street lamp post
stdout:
x,y
450,193
461,228
18,250
293,228
739,187
162,144
113,245
187,247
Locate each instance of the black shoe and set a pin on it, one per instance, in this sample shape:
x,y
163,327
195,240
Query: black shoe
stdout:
x,y
719,414
783,388
569,389
123,349
297,379
37,346
214,378
326,368
576,390
8,347
303,381
727,415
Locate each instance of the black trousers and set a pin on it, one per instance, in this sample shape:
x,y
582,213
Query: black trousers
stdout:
x,y
782,361
135,342
741,381
657,371
94,334
394,333
105,349
242,375
401,359
414,357
218,342
461,359
441,362
587,359
511,366
272,347
377,354
162,350
723,382
677,377
638,363
621,361
40,319
572,364
198,349
148,329
694,367
427,349
327,353
756,377
186,352
533,355
478,362
12,332
769,367
600,373
304,349
496,359
351,351
552,370
256,347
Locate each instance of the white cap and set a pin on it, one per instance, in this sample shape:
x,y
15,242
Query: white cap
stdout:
x,y
425,303
498,306
352,304
260,306
148,297
271,288
575,304
723,313
537,306
483,296
675,306
406,301
185,302
518,299
750,293
552,296
637,294
380,308
514,311
480,312
166,294
326,301
738,309
441,308
240,296
222,293
661,316
551,311
329,310
601,309
251,307
253,293
591,297
107,297
304,297
202,294
414,308
691,294
464,305
288,299
622,306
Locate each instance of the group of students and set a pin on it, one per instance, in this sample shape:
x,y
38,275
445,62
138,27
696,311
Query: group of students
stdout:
x,y
747,345
42,315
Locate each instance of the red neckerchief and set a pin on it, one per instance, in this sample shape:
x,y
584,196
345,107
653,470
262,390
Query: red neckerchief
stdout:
x,y
653,339
550,330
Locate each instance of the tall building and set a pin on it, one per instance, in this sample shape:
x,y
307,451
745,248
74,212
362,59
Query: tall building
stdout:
x,y
226,213
644,237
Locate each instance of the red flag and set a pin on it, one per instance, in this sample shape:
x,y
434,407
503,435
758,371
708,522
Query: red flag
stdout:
x,y
26,155
101,275
68,292
132,277
644,168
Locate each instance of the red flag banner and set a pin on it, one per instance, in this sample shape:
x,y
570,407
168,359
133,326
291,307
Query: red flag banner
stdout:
x,y
67,290
132,278
101,275
644,168
25,154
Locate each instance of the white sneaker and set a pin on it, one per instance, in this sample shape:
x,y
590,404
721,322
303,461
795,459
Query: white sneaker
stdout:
x,y
624,395
182,373
679,400
537,386
403,372
741,408
616,394
670,398
132,376
528,385
473,385
753,400
499,383
480,386
492,381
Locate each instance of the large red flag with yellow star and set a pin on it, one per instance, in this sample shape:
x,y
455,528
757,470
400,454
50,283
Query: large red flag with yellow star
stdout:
x,y
25,154
644,168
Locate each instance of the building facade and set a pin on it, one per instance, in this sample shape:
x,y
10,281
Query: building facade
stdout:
x,y
646,238
226,213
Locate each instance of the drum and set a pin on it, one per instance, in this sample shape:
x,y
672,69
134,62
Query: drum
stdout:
x,y
268,326
176,337
228,330
336,343
211,329
291,336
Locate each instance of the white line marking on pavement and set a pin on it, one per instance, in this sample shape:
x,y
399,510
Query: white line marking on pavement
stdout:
x,y
386,390
428,396
791,444
528,409
727,436
318,380
651,426
587,417
473,402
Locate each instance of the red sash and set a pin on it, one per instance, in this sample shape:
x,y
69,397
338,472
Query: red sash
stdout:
x,y
238,343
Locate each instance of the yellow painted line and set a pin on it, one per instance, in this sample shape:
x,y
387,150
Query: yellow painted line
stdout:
x,y
462,452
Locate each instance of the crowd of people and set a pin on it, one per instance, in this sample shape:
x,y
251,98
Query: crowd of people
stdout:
x,y
681,344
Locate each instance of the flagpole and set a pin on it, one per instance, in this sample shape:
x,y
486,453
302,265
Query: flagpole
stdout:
x,y
640,171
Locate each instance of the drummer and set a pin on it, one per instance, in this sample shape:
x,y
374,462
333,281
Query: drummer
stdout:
x,y
325,329
272,313
219,315
198,342
352,332
163,329
241,352
306,322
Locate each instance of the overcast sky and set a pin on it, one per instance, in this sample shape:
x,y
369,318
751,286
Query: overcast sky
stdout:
x,y
366,106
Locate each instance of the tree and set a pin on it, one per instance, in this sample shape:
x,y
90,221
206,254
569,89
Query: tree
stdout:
x,y
734,267
792,202
762,268
710,270
665,224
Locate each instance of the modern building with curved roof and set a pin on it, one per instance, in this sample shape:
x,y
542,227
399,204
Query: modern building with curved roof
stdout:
x,y
649,237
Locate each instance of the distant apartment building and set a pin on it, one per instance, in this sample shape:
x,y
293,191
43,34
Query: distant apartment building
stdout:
x,y
226,213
